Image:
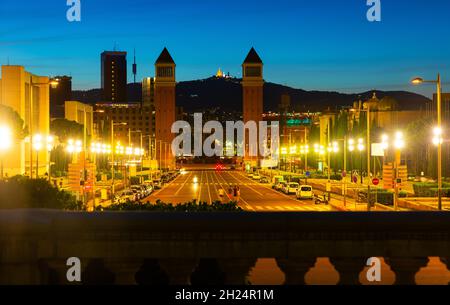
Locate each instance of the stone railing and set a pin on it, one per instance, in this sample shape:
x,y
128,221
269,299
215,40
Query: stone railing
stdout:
x,y
196,248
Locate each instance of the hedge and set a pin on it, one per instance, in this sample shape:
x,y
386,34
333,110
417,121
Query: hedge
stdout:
x,y
424,189
192,206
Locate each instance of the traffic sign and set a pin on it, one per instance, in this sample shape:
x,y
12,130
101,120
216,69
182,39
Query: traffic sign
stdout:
x,y
344,173
355,179
375,181
308,174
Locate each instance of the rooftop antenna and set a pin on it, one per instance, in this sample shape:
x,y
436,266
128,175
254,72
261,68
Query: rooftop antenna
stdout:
x,y
115,46
134,66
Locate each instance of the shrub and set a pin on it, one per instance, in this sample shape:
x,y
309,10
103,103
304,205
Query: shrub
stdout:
x,y
424,189
23,193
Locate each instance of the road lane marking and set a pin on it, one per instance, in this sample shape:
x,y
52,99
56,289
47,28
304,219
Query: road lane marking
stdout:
x,y
200,187
209,191
183,184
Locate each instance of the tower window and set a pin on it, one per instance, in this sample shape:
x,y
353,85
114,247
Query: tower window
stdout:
x,y
253,71
165,72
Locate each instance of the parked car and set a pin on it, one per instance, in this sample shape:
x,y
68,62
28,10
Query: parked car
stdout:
x,y
291,188
157,184
305,192
250,175
126,195
256,177
149,189
137,190
264,180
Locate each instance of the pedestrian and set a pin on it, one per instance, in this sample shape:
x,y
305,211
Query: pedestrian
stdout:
x,y
221,194
230,192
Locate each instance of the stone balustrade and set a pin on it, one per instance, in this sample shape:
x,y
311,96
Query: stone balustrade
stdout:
x,y
212,248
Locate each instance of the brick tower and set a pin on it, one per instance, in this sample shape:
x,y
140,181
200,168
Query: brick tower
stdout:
x,y
164,108
252,86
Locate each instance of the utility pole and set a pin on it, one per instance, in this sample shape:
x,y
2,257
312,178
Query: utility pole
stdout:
x,y
368,157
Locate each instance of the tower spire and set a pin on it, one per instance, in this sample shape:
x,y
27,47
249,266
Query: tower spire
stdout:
x,y
134,65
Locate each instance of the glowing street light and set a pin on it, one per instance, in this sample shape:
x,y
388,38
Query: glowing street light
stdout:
x,y
74,146
5,143
399,142
385,142
437,136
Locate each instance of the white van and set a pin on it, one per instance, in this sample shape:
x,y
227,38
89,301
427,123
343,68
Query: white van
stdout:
x,y
305,192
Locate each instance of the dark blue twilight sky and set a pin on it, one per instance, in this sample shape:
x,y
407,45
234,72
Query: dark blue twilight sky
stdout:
x,y
309,44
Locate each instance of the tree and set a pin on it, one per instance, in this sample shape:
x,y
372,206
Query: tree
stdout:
x,y
65,129
12,119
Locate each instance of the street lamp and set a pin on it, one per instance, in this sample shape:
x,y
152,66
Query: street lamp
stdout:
x,y
419,81
53,82
399,144
5,144
112,154
361,148
37,146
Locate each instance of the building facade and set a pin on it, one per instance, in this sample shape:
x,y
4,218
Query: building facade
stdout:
x,y
82,114
135,116
114,76
28,95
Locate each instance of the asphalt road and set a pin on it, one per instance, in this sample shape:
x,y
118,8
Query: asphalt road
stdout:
x,y
254,196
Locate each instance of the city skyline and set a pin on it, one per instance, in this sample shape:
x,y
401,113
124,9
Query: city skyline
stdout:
x,y
340,51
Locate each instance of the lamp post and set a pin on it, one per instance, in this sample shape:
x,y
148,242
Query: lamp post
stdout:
x,y
50,145
292,152
320,151
399,143
351,149
37,146
304,150
5,144
140,145
52,82
112,155
418,81
361,148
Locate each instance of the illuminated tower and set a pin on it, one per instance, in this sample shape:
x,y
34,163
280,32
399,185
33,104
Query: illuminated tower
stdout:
x,y
252,86
164,108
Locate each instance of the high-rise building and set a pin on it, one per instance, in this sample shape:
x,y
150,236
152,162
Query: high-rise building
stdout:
x,y
148,101
59,95
252,86
114,76
164,108
28,95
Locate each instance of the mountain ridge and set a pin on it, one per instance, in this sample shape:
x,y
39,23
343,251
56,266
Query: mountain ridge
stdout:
x,y
226,93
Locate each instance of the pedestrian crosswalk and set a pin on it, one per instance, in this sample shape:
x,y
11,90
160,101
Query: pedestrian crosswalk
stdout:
x,y
292,208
